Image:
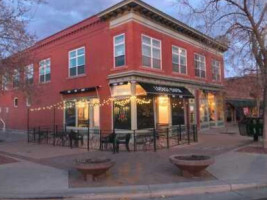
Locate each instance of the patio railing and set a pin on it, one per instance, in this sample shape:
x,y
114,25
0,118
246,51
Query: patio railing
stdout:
x,y
115,140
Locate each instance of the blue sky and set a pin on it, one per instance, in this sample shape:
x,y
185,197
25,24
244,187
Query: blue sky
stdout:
x,y
55,15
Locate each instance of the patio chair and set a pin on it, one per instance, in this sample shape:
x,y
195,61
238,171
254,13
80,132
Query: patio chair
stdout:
x,y
108,139
123,140
76,138
144,139
60,138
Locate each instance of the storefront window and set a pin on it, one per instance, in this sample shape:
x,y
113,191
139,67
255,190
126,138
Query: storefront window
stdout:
x,y
163,108
122,114
192,111
70,114
78,113
178,116
145,113
83,113
95,112
220,113
212,104
203,103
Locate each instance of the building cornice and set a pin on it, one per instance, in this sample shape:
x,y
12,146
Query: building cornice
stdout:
x,y
160,17
69,31
160,79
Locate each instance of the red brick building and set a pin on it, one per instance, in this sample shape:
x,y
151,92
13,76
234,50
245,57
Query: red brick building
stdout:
x,y
243,97
128,67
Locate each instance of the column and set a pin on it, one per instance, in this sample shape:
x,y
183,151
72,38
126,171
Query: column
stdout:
x,y
133,107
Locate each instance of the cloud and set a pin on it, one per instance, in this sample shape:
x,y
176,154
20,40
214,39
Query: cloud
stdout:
x,y
55,15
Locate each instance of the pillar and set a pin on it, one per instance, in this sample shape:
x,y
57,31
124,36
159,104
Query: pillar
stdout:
x,y
133,107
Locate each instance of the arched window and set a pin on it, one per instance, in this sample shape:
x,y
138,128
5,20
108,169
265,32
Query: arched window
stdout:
x,y
16,102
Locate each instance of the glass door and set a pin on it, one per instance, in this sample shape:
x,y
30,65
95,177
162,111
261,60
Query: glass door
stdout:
x,y
163,111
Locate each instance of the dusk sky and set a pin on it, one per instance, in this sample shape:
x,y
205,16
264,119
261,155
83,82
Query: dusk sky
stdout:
x,y
55,15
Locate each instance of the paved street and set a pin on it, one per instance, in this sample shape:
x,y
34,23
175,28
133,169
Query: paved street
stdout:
x,y
251,194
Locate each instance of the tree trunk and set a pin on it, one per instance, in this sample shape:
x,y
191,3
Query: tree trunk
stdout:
x,y
265,115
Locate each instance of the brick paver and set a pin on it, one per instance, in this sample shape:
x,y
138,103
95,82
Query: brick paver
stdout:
x,y
131,168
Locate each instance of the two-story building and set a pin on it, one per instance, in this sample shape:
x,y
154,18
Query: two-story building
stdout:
x,y
128,67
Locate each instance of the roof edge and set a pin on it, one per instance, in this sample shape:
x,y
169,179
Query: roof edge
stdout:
x,y
118,8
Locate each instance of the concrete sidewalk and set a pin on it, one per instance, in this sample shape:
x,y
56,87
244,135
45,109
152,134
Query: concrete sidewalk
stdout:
x,y
233,170
23,176
142,191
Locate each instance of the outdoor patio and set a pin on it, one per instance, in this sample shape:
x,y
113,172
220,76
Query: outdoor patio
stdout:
x,y
131,168
114,140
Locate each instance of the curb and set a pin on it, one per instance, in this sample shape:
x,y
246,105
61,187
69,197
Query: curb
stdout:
x,y
143,191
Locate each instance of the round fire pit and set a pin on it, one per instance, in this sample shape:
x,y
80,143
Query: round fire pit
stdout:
x,y
94,167
191,165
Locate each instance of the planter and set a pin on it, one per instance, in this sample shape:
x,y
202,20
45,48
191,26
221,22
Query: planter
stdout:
x,y
93,167
191,165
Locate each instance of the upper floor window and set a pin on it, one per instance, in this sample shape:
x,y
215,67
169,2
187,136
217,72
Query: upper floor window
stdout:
x,y
151,52
16,78
77,62
200,66
119,50
28,101
216,70
179,60
5,81
29,74
45,71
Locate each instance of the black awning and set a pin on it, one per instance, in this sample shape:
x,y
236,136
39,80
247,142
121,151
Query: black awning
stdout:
x,y
77,91
242,103
166,90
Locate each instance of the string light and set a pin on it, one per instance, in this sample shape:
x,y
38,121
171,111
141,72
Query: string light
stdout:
x,y
63,105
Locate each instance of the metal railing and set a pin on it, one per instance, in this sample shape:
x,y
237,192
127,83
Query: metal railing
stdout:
x,y
133,140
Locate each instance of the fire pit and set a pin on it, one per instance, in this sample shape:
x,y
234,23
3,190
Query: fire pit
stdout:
x,y
191,165
94,167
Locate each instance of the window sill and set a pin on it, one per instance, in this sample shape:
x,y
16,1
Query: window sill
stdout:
x,y
75,77
152,69
200,78
119,68
180,74
44,83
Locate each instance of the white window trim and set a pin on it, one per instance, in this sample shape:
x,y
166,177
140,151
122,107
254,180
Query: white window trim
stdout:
x,y
186,73
114,50
16,75
76,114
45,81
27,102
151,46
27,70
205,66
5,82
219,69
77,49
14,100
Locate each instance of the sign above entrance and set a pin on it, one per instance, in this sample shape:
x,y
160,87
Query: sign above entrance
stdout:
x,y
167,90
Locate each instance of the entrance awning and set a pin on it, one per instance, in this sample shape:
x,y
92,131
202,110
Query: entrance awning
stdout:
x,y
242,103
166,90
80,90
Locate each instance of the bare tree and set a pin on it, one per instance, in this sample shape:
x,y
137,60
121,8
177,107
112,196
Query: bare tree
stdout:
x,y
240,23
14,42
